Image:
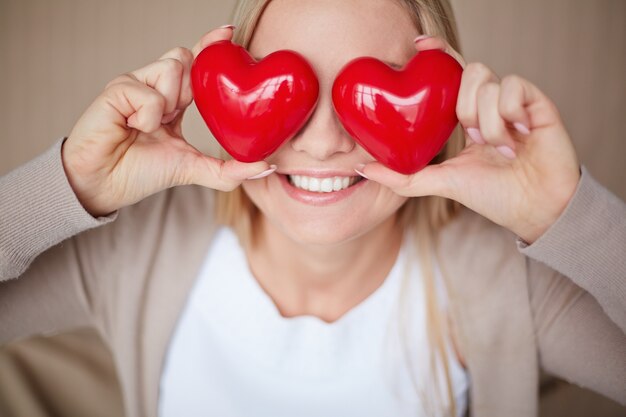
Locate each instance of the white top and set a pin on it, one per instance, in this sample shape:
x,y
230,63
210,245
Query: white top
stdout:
x,y
233,354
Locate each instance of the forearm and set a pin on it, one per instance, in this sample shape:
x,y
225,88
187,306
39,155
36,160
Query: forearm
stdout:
x,y
38,209
587,244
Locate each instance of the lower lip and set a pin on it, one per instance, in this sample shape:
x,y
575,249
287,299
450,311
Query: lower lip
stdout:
x,y
318,199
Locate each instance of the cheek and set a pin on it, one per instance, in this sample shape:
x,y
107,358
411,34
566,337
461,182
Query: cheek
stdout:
x,y
383,206
257,192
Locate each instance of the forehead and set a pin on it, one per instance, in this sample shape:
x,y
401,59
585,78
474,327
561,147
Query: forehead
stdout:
x,y
329,33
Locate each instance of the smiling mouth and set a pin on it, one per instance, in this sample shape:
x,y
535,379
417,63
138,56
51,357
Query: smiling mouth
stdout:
x,y
323,185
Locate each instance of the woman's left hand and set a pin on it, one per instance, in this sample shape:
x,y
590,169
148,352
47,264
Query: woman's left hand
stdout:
x,y
518,168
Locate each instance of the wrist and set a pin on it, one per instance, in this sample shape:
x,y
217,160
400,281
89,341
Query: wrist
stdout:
x,y
81,189
545,212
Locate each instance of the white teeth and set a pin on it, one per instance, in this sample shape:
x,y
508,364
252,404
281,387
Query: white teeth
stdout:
x,y
321,185
326,185
337,184
314,184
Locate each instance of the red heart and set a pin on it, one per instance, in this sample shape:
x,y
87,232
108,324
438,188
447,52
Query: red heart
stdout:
x,y
252,107
403,118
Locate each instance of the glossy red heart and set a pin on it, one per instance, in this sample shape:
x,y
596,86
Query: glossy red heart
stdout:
x,y
252,107
403,118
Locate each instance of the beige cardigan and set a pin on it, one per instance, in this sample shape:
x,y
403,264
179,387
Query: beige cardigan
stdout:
x,y
130,275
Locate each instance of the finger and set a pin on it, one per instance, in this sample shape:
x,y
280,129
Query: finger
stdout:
x,y
222,33
185,57
516,95
492,126
165,76
474,76
141,106
431,180
426,42
227,175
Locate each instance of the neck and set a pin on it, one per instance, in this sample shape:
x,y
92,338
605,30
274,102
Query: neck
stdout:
x,y
322,280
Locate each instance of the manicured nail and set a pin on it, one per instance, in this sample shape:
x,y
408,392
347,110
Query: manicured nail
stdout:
x,y
475,135
421,38
360,173
227,27
264,173
506,151
522,128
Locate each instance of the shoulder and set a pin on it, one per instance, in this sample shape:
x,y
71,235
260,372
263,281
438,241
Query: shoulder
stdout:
x,y
486,280
184,202
480,260
146,239
485,270
472,239
170,214
179,207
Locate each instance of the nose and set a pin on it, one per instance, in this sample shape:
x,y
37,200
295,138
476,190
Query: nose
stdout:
x,y
323,136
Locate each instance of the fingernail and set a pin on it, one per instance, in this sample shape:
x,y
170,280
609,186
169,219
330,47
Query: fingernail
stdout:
x,y
522,128
506,151
360,173
227,27
475,135
264,173
421,38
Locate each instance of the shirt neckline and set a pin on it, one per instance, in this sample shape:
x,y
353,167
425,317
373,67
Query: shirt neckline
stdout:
x,y
235,307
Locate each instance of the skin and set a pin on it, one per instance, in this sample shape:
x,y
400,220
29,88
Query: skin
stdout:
x,y
129,144
324,260
518,169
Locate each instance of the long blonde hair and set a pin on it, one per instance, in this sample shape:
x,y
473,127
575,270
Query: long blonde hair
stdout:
x,y
425,216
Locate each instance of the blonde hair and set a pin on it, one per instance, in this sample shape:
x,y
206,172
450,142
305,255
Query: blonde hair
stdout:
x,y
425,216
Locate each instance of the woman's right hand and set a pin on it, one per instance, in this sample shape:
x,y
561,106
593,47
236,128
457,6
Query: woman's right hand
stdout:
x,y
128,144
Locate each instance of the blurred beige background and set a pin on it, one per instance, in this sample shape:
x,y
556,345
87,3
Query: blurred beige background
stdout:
x,y
57,55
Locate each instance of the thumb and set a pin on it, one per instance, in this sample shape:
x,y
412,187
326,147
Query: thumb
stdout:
x,y
226,175
431,180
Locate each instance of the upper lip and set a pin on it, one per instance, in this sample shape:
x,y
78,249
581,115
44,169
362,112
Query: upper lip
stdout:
x,y
319,173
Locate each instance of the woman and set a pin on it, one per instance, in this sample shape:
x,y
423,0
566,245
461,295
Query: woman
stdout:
x,y
270,299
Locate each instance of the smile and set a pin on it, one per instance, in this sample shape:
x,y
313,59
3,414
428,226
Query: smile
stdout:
x,y
322,185
322,189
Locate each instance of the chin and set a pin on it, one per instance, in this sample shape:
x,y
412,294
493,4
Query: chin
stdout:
x,y
321,231
316,227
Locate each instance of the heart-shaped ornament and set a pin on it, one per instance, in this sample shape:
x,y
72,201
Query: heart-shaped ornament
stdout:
x,y
403,118
252,107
